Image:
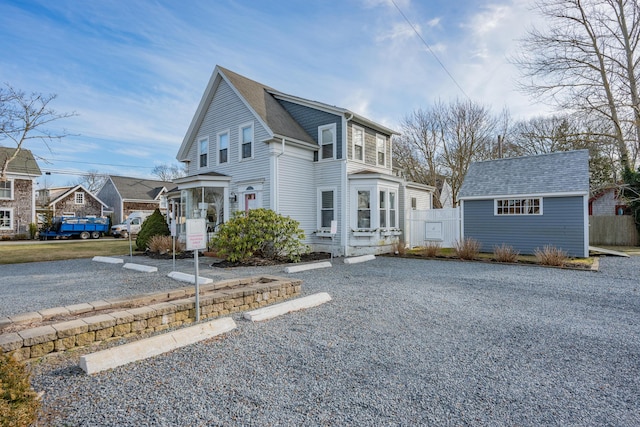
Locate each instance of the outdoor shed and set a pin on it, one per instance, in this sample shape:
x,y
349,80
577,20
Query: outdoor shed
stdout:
x,y
529,202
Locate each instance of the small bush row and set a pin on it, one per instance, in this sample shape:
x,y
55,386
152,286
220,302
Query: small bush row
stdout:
x,y
469,249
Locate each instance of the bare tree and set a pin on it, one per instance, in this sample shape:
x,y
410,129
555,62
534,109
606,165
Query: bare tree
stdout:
x,y
587,63
167,172
26,117
442,142
92,180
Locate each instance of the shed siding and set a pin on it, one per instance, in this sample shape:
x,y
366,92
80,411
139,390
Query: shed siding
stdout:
x,y
561,225
310,119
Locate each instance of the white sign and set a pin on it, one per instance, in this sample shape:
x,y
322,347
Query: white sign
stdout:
x,y
334,226
172,227
196,234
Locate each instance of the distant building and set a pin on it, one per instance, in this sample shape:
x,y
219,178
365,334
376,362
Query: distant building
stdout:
x,y
17,193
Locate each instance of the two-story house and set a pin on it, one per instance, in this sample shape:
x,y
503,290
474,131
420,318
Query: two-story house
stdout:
x,y
17,192
251,146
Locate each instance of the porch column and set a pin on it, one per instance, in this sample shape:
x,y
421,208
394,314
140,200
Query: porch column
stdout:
x,y
225,204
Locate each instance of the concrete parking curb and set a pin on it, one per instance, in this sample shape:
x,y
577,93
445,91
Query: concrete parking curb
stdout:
x,y
275,310
357,259
108,260
153,346
189,278
140,267
304,267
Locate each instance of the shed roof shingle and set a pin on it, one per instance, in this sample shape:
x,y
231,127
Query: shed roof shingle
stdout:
x,y
560,172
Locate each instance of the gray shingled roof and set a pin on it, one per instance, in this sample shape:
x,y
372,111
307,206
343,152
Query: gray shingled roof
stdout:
x,y
561,172
138,188
25,163
267,107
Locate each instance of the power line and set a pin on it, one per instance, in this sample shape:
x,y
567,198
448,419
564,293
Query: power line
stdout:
x,y
430,50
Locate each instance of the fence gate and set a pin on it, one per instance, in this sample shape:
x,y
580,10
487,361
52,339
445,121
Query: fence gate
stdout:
x,y
435,225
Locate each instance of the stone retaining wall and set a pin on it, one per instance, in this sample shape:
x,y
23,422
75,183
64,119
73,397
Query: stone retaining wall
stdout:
x,y
157,312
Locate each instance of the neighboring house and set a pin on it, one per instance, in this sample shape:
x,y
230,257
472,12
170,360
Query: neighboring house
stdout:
x,y
124,195
529,202
17,193
446,193
251,146
608,202
69,202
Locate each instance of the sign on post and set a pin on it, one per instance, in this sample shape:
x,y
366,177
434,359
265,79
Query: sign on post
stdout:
x,y
196,239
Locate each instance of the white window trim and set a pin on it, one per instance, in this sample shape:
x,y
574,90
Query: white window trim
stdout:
x,y
495,206
253,141
387,209
353,141
373,202
75,197
384,147
319,205
11,219
11,190
331,126
200,140
218,135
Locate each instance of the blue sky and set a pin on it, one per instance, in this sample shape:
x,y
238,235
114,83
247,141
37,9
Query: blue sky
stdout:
x,y
134,71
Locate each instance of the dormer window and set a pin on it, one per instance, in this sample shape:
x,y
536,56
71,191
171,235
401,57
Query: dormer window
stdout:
x,y
381,149
327,139
358,143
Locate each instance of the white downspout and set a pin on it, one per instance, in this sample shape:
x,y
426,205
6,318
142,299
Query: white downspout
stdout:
x,y
345,188
276,180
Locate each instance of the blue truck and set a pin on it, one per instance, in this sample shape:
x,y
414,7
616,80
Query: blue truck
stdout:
x,y
84,228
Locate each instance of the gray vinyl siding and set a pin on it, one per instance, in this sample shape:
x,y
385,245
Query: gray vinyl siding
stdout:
x,y
298,192
560,225
228,112
310,119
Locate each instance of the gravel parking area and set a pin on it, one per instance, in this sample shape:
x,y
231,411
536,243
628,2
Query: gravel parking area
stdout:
x,y
404,342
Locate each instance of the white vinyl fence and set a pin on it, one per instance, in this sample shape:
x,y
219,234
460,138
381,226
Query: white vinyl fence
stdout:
x,y
434,225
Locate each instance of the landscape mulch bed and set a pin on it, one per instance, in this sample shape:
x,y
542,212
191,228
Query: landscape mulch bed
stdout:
x,y
256,262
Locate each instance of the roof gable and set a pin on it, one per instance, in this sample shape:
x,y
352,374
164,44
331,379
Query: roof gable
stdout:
x,y
23,164
560,172
131,188
59,193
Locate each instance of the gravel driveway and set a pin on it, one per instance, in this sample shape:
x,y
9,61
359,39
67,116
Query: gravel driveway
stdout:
x,y
403,342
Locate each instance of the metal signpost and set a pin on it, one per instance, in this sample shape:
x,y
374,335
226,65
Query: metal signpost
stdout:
x,y
334,230
196,240
130,244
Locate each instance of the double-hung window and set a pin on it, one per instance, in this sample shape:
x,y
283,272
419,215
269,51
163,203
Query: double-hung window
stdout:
x,y
246,141
6,190
327,203
6,219
79,198
203,152
223,147
387,209
327,138
364,209
381,150
358,143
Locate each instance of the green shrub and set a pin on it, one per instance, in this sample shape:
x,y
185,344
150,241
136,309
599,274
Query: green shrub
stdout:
x,y
155,225
505,253
19,404
550,255
259,233
467,248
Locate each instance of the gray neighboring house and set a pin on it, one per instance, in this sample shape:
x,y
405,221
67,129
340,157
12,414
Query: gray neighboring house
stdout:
x,y
529,202
124,194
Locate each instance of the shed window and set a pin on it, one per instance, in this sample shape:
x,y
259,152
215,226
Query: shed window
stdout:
x,y
532,206
79,198
6,219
